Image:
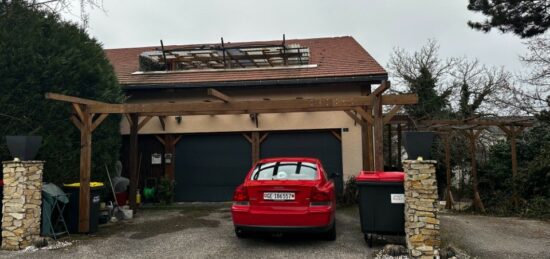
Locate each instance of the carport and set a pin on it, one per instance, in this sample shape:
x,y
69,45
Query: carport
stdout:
x,y
365,110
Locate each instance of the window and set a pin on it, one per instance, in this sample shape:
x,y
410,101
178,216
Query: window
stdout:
x,y
285,171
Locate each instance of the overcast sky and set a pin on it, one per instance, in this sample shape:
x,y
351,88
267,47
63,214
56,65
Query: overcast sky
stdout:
x,y
378,25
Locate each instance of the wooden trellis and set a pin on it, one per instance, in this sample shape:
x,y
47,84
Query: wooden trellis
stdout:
x,y
472,128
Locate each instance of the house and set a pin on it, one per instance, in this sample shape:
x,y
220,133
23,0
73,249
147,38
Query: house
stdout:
x,y
209,155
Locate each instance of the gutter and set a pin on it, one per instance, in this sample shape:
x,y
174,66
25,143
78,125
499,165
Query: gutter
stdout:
x,y
374,79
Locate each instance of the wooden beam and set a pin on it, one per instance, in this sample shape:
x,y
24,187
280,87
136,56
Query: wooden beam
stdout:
x,y
475,122
472,136
176,140
337,134
399,136
390,155
162,122
78,111
239,107
255,146
85,173
144,122
133,159
160,140
263,137
378,127
394,110
76,122
99,120
356,119
366,132
247,137
217,94
382,88
449,201
70,99
365,115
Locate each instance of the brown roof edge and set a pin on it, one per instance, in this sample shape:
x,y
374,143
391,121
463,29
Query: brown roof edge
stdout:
x,y
373,79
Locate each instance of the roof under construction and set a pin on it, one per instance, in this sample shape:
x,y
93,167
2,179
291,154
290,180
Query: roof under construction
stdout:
x,y
281,62
222,57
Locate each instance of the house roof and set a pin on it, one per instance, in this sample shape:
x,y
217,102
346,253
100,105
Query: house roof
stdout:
x,y
334,58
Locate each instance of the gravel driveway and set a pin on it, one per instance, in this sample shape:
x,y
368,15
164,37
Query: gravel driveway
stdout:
x,y
495,237
205,231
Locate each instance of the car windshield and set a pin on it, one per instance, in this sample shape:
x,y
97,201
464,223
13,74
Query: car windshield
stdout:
x,y
285,171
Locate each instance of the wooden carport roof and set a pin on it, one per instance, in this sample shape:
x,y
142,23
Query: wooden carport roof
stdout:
x,y
88,115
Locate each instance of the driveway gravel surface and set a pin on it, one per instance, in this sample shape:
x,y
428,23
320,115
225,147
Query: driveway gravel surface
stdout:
x,y
497,237
204,231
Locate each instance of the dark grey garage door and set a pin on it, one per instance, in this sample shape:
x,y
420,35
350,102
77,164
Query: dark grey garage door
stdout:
x,y
209,167
319,144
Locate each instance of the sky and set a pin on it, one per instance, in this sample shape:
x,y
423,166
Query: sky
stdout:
x,y
378,25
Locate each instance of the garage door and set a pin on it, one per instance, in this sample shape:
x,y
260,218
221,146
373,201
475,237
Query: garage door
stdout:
x,y
319,144
209,167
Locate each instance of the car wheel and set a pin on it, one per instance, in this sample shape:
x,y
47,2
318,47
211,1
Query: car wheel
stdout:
x,y
330,235
240,233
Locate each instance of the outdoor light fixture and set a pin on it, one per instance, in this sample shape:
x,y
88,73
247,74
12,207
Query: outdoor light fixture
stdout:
x,y
178,119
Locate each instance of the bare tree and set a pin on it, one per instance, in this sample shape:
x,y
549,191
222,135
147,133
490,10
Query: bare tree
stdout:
x,y
68,6
538,61
476,88
406,66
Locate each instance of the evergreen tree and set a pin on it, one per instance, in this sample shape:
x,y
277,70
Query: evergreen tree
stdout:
x,y
40,53
421,72
525,18
430,103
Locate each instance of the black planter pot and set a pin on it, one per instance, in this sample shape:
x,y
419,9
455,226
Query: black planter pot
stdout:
x,y
23,147
418,144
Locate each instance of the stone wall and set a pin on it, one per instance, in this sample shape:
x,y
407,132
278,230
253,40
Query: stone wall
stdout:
x,y
22,202
421,219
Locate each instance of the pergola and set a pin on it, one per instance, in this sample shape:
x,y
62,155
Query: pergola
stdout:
x,y
88,115
472,128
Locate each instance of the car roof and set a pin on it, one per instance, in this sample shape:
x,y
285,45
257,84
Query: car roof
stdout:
x,y
289,159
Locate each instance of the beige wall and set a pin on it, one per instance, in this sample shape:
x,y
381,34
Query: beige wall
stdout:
x,y
351,140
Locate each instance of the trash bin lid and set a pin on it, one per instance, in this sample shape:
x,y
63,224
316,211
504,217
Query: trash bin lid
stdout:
x,y
77,185
375,176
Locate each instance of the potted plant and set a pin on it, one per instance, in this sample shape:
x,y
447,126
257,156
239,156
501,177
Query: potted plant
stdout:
x,y
418,144
23,147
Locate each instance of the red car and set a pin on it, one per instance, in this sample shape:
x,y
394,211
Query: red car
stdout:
x,y
285,195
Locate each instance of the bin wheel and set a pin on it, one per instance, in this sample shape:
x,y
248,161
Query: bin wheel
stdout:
x,y
368,239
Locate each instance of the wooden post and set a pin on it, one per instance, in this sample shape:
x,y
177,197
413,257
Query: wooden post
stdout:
x,y
449,201
366,135
390,155
512,134
378,135
472,136
255,146
85,170
399,145
133,159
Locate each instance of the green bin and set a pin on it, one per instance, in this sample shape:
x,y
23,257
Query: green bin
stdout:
x,y
71,212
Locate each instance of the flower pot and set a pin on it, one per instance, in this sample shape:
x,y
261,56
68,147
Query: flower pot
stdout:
x,y
23,147
418,144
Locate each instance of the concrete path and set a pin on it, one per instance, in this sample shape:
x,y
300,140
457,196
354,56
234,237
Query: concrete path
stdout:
x,y
496,237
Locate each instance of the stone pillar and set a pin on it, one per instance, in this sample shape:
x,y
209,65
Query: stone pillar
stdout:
x,y
421,219
22,202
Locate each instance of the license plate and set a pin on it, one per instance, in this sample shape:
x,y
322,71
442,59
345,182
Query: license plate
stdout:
x,y
279,196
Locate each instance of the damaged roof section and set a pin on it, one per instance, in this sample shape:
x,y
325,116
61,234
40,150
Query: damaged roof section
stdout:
x,y
309,61
214,57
